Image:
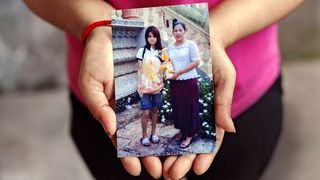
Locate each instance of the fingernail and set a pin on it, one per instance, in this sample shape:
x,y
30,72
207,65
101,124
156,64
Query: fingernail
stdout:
x,y
109,135
106,131
233,129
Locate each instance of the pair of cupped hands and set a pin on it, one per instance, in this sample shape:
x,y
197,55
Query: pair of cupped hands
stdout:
x,y
96,82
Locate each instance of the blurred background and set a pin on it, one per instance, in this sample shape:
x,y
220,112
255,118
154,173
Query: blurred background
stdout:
x,y
34,107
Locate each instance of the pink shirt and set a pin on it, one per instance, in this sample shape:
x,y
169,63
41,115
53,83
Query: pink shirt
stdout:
x,y
256,58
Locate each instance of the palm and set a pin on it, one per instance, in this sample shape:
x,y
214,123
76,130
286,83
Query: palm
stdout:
x,y
224,77
96,83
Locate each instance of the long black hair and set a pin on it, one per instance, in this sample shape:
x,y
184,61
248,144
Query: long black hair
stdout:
x,y
155,33
175,22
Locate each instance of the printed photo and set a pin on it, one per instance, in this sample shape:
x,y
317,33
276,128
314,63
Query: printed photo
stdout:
x,y
163,81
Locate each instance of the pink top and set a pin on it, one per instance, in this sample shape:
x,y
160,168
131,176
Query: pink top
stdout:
x,y
256,57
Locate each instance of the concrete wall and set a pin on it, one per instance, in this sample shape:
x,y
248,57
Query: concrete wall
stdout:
x,y
32,52
300,32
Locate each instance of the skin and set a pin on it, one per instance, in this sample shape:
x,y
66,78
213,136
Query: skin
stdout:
x,y
226,28
179,34
153,113
230,21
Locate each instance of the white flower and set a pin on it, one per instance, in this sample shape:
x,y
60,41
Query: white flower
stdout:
x,y
207,132
200,114
207,125
200,100
204,123
164,92
165,106
205,111
128,107
161,111
205,104
214,134
163,120
200,79
128,100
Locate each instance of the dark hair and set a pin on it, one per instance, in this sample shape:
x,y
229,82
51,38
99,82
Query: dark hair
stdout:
x,y
156,33
175,22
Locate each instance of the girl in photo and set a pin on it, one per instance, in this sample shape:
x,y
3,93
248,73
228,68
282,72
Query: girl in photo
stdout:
x,y
150,83
184,55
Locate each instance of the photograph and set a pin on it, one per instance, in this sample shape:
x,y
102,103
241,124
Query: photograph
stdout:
x,y
163,81
140,89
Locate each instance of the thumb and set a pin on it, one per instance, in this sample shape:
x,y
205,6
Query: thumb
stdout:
x,y
224,80
96,99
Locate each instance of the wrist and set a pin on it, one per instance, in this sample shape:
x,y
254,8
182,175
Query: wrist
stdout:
x,y
98,46
217,37
94,11
87,31
99,36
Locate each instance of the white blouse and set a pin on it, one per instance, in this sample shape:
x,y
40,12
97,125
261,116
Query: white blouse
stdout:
x,y
182,55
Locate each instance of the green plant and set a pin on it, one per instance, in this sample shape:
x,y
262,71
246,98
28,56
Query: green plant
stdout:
x,y
166,108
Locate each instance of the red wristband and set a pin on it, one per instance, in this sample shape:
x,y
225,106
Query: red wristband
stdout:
x,y
86,32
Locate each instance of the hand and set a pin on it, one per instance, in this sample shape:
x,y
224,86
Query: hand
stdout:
x,y
161,85
174,76
224,80
140,89
96,83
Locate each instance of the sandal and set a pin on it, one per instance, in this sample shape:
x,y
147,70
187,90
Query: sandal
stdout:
x,y
154,138
187,145
145,141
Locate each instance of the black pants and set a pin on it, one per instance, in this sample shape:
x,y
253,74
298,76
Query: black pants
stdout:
x,y
242,156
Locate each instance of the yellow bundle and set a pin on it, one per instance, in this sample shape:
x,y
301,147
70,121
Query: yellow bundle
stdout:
x,y
149,71
164,55
167,65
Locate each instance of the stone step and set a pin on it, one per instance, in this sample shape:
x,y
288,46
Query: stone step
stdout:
x,y
124,55
125,85
125,68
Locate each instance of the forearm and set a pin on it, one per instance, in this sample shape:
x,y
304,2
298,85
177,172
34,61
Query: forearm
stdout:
x,y
233,20
139,64
72,15
138,79
191,66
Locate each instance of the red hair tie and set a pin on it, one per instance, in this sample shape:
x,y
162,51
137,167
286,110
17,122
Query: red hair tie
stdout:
x,y
90,27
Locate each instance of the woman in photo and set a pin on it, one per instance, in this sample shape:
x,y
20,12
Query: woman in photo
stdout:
x,y
184,55
150,83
